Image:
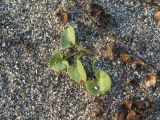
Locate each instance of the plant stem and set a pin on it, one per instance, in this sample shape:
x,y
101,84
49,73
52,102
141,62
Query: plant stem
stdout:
x,y
79,53
82,49
94,69
71,55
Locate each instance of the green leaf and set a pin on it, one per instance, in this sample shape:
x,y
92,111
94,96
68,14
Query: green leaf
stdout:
x,y
58,56
57,63
60,66
104,81
92,87
74,74
68,37
81,70
97,74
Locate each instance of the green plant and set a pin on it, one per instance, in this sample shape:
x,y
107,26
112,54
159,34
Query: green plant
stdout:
x,y
76,71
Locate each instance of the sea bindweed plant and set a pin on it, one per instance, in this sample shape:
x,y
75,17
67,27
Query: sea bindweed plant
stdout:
x,y
59,62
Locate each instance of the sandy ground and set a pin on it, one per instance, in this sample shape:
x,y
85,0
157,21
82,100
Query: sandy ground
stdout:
x,y
30,33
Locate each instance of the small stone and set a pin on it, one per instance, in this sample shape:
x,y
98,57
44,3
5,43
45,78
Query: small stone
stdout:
x,y
3,44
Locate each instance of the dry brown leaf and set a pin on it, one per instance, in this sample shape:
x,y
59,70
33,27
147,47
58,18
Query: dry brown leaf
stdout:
x,y
134,110
125,57
99,99
63,15
122,112
140,64
150,79
106,20
101,18
141,105
131,115
132,82
121,116
96,10
127,104
107,51
128,81
148,105
149,102
94,114
144,104
98,113
157,15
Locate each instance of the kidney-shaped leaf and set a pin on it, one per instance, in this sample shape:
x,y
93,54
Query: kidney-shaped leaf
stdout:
x,y
58,56
57,63
81,70
68,37
60,66
92,87
74,74
104,81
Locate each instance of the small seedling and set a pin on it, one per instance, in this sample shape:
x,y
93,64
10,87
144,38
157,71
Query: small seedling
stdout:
x,y
59,62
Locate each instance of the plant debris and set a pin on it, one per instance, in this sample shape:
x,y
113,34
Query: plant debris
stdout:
x,y
157,16
133,82
98,113
122,113
99,99
134,110
143,105
127,104
101,18
63,15
131,115
96,10
140,65
150,79
125,58
107,51
106,20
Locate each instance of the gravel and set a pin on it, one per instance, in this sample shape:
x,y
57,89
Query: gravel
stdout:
x,y
30,33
